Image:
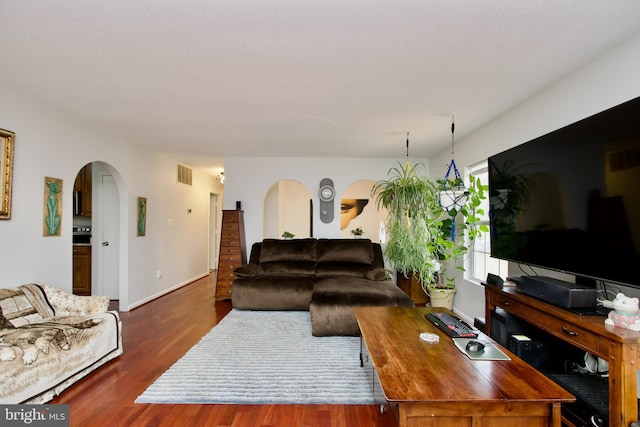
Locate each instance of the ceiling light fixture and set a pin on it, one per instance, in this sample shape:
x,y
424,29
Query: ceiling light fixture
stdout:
x,y
220,177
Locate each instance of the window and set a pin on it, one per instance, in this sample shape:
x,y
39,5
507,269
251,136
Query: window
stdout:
x,y
480,262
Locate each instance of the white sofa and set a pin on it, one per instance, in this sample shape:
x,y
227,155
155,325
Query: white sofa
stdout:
x,y
49,339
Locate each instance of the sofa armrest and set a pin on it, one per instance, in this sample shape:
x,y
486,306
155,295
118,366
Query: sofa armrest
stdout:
x,y
66,304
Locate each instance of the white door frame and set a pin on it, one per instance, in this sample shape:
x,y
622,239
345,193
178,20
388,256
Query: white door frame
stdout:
x,y
123,265
214,230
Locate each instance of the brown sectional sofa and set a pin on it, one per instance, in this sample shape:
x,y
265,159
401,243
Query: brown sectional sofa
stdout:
x,y
327,277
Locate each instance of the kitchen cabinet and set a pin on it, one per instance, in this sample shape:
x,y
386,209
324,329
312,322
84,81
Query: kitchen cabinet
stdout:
x,y
81,270
83,184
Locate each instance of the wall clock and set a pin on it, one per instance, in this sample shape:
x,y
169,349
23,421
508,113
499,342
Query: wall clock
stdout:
x,y
327,195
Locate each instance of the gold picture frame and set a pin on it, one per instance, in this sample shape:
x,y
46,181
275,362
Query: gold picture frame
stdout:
x,y
142,216
7,141
52,220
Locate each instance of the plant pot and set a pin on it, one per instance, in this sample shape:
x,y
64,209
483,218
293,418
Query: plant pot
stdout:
x,y
442,297
411,286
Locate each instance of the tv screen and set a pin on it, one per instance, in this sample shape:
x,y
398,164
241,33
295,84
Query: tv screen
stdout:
x,y
570,200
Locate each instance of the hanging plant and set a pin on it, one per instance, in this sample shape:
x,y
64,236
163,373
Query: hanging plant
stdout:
x,y
414,221
420,229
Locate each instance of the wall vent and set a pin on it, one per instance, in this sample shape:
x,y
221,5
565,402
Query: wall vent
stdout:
x,y
184,175
626,159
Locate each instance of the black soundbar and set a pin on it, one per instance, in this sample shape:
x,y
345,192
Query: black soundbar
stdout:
x,y
558,292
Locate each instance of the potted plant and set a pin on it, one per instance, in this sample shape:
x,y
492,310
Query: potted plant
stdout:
x,y
287,235
423,235
460,227
357,232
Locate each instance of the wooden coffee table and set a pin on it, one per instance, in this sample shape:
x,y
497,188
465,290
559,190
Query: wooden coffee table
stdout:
x,y
436,384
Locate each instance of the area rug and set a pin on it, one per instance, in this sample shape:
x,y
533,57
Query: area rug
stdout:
x,y
265,357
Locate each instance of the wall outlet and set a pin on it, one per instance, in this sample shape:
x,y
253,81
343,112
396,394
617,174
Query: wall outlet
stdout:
x,y
158,274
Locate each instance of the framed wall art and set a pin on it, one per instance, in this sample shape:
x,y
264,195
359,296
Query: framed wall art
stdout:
x,y
7,140
52,206
142,216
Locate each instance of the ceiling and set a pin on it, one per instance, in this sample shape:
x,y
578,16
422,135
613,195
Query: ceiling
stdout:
x,y
204,79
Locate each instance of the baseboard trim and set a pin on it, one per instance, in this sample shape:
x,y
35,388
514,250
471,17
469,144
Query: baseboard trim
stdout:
x,y
166,291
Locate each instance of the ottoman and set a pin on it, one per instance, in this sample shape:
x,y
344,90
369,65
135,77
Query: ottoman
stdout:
x,y
333,298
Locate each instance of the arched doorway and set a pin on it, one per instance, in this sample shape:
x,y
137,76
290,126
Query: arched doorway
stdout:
x,y
98,207
287,207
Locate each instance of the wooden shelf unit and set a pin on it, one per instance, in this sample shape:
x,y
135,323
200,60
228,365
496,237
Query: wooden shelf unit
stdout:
x,y
618,346
232,252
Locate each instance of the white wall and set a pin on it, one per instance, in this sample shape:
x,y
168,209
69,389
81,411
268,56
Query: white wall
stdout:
x,y
248,180
50,143
608,81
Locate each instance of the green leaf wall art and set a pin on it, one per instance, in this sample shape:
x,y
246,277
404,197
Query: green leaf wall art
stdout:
x,y
142,216
52,206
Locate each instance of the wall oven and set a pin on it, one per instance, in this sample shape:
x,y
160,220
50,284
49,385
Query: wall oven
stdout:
x,y
82,235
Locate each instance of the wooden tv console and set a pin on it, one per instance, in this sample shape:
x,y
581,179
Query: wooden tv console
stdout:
x,y
616,345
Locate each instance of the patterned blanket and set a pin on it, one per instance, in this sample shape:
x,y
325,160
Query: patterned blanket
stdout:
x,y
49,339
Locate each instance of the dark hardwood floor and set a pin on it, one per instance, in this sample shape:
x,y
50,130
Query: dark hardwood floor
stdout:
x,y
157,334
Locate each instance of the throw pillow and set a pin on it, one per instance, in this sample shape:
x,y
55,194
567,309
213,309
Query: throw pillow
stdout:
x,y
66,304
378,274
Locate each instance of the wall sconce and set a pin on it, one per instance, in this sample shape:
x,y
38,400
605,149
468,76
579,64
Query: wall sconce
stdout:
x,y
220,177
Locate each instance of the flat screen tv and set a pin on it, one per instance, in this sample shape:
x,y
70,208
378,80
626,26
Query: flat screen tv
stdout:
x,y
570,200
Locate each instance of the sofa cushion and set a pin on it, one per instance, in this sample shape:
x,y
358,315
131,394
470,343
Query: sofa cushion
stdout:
x,y
66,304
345,250
272,293
305,268
248,270
275,250
331,307
339,269
359,292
